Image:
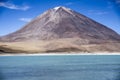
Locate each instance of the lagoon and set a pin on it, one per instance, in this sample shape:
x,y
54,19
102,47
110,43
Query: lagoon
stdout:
x,y
60,67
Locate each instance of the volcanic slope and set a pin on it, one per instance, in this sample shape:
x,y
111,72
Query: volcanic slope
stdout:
x,y
61,30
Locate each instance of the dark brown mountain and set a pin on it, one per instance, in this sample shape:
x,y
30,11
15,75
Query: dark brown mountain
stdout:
x,y
63,23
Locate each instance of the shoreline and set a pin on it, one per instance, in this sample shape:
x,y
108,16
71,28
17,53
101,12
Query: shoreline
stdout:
x,y
59,54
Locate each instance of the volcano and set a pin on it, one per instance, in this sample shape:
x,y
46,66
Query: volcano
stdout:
x,y
61,29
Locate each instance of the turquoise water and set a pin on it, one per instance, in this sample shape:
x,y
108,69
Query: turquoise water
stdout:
x,y
69,67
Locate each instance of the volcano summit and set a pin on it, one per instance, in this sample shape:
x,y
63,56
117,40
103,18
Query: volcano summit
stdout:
x,y
61,30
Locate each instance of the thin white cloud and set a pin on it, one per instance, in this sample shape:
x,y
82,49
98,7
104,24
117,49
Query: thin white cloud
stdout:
x,y
69,3
25,19
97,12
13,6
109,4
101,13
118,1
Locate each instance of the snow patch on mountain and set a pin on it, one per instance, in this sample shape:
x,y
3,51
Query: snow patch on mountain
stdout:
x,y
56,8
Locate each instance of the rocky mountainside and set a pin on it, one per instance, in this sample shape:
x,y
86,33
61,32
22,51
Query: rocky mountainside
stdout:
x,y
62,22
50,30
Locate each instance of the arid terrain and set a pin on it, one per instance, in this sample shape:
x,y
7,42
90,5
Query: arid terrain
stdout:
x,y
61,45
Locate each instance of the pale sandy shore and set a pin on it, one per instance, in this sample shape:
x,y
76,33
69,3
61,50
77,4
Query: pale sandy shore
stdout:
x,y
57,54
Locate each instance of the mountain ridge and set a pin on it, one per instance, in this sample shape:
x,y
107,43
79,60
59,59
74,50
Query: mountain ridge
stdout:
x,y
59,24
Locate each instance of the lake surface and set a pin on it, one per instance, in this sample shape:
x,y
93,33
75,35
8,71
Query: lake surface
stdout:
x,y
62,67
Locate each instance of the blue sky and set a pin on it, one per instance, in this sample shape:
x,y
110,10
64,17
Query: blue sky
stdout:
x,y
14,14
